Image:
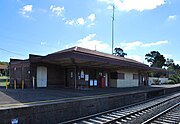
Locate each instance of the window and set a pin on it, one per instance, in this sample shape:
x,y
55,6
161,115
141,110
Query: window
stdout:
x,y
71,74
135,76
115,75
120,75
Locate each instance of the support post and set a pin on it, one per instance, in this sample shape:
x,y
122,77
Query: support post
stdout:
x,y
6,84
22,84
113,31
75,77
14,84
33,82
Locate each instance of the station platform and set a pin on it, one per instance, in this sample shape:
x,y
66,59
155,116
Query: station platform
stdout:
x,y
11,98
61,104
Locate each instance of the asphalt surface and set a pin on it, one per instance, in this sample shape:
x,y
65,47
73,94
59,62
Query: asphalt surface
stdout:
x,y
18,96
29,95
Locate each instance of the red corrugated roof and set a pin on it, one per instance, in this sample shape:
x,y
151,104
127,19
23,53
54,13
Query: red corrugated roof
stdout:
x,y
96,53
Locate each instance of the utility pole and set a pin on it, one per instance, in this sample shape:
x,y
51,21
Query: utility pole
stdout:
x,y
113,31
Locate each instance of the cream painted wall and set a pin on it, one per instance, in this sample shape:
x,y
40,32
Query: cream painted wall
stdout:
x,y
113,83
162,80
127,82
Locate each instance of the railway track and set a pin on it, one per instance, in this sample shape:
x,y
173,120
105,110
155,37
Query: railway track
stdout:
x,y
169,116
129,114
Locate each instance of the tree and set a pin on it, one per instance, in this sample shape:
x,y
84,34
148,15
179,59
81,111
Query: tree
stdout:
x,y
174,68
3,63
4,72
156,59
177,69
169,62
119,52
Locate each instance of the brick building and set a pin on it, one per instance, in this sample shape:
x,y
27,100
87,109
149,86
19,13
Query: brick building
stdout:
x,y
78,68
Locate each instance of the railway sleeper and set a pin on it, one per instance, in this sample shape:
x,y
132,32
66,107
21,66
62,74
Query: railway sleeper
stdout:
x,y
167,120
169,117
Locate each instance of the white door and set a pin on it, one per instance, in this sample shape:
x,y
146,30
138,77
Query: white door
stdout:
x,y
41,76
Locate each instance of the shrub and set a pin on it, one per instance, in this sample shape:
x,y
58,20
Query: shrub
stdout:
x,y
156,81
171,82
175,79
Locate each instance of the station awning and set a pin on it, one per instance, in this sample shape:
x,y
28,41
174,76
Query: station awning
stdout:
x,y
78,56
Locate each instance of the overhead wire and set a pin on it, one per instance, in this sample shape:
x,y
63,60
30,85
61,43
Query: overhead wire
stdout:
x,y
23,41
12,52
20,41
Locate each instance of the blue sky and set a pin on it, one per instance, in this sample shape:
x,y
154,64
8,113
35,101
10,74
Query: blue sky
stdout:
x,y
45,26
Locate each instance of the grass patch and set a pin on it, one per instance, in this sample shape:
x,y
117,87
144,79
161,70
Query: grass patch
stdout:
x,y
4,77
3,84
3,81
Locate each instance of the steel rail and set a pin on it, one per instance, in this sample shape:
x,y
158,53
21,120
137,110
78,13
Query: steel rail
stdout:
x,y
123,113
163,114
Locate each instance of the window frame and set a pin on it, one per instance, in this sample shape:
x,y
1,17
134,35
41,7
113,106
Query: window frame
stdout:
x,y
116,75
135,76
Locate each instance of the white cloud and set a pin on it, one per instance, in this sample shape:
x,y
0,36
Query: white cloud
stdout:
x,y
43,43
154,43
90,25
106,1
89,21
167,55
177,62
26,10
64,18
139,5
70,22
58,43
135,44
57,10
89,43
78,21
130,45
18,0
88,38
172,17
110,7
91,17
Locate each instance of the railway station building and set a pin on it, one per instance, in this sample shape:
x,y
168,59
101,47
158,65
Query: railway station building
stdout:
x,y
78,67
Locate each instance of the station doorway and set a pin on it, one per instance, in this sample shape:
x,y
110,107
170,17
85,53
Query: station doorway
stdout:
x,y
41,76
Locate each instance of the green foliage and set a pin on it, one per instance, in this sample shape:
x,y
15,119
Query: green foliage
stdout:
x,y
156,81
151,74
3,81
4,72
174,69
119,52
156,59
169,62
175,79
170,82
3,63
157,74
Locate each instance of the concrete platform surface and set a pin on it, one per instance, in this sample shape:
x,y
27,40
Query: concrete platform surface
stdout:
x,y
12,97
